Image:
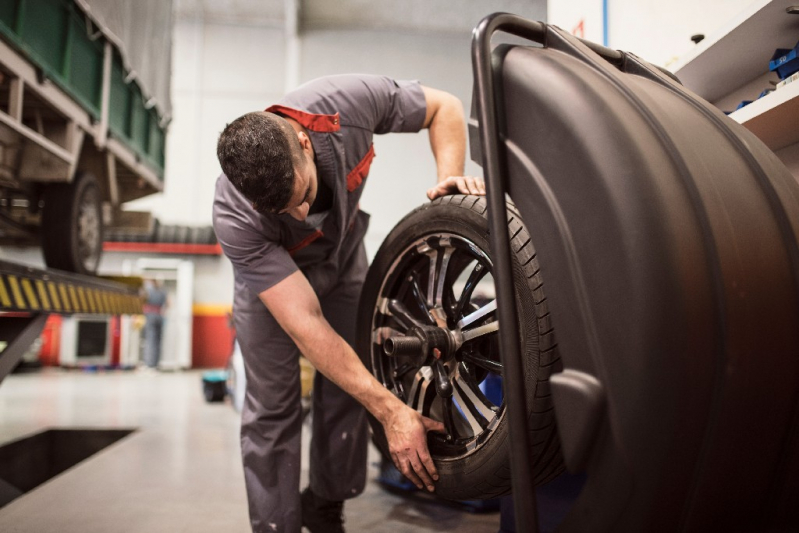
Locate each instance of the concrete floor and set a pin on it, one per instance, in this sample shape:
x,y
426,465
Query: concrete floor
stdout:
x,y
179,471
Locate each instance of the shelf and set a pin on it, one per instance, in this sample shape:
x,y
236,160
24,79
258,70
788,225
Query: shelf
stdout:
x,y
740,51
773,118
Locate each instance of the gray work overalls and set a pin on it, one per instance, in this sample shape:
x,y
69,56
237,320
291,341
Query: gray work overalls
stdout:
x,y
341,114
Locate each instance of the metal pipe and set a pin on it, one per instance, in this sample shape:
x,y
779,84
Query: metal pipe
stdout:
x,y
522,473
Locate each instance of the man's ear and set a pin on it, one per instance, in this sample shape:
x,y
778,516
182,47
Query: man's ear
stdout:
x,y
305,141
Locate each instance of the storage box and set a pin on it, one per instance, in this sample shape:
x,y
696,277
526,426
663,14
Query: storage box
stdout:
x,y
784,62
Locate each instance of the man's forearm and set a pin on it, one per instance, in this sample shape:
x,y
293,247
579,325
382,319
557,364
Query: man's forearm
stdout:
x,y
337,361
405,429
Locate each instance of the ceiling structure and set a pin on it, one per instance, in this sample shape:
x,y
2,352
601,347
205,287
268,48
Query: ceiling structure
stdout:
x,y
446,16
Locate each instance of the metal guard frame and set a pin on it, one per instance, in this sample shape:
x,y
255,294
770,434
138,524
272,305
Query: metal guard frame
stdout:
x,y
488,112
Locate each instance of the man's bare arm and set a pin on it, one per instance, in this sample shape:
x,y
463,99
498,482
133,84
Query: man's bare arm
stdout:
x,y
447,125
295,306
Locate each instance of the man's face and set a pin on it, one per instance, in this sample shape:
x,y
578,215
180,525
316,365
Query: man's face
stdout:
x,y
305,183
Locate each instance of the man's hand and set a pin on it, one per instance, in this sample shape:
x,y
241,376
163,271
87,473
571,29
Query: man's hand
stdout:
x,y
458,184
406,432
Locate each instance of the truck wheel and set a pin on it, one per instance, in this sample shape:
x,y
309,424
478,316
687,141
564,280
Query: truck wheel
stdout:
x,y
72,225
432,281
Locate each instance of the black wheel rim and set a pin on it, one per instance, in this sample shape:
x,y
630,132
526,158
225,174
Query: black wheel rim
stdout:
x,y
443,281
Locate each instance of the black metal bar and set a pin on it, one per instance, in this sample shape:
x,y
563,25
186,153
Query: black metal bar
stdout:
x,y
18,332
522,473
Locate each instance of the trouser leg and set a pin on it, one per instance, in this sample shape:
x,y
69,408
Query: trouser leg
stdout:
x,y
340,430
271,422
157,341
152,339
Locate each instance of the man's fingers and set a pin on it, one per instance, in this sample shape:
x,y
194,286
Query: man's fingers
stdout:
x,y
421,471
403,464
433,425
470,184
461,184
429,467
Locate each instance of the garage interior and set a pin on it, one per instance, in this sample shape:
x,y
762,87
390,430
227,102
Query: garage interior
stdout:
x,y
92,439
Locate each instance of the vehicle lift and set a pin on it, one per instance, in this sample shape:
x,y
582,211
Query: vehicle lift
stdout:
x,y
29,295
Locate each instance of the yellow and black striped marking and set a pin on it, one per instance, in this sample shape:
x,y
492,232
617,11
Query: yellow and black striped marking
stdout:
x,y
33,290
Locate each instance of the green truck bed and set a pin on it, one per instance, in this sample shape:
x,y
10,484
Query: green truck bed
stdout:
x,y
61,40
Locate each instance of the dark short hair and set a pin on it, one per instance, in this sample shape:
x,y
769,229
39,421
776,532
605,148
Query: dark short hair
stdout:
x,y
258,153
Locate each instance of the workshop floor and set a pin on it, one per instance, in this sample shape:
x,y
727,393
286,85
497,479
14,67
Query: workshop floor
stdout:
x,y
178,472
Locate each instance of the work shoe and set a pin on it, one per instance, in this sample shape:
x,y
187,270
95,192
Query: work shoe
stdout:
x,y
320,515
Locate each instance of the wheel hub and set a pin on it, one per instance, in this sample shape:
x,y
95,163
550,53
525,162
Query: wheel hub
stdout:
x,y
421,341
433,346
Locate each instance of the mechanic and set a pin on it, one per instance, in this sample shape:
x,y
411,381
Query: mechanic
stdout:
x,y
286,214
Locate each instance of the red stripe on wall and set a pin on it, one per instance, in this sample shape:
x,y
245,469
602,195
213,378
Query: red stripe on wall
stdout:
x,y
163,248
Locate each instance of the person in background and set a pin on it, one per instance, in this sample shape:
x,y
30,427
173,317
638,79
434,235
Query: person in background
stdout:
x,y
155,300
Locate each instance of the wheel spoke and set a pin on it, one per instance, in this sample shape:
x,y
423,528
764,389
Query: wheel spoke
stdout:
x,y
490,307
475,276
476,423
449,304
473,400
398,310
403,369
432,255
441,277
483,362
416,292
397,375
421,389
485,329
448,409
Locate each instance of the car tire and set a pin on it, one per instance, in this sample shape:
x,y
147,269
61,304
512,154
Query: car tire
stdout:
x,y
450,235
72,225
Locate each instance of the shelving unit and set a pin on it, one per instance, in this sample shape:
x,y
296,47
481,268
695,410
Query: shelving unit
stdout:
x,y
774,118
732,65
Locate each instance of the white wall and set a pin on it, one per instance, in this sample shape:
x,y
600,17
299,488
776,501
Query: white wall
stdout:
x,y
660,32
657,31
220,72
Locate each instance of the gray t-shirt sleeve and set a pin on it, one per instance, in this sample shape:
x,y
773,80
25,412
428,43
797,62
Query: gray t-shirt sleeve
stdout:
x,y
399,106
257,257
377,104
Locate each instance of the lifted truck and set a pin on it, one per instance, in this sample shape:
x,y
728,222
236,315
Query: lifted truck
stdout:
x,y
80,133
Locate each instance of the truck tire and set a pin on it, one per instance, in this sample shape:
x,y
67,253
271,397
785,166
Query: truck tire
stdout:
x,y
447,240
72,225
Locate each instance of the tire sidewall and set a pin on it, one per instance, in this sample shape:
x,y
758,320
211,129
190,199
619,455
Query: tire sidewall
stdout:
x,y
60,224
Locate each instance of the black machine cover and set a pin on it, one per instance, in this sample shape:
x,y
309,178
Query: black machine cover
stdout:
x,y
667,239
